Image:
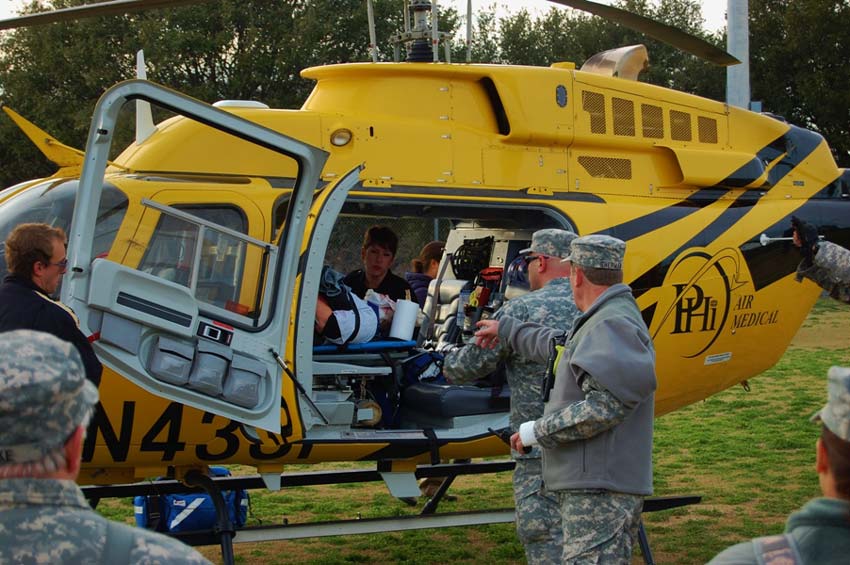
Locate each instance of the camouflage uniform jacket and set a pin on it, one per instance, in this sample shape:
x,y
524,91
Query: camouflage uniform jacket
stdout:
x,y
50,521
597,425
551,306
831,270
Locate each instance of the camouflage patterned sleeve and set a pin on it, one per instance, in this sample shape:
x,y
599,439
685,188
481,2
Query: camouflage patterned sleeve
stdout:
x,y
470,362
599,411
831,270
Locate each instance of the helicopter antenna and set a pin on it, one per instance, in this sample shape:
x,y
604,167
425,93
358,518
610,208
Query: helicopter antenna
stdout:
x,y
406,8
144,117
373,48
468,31
435,24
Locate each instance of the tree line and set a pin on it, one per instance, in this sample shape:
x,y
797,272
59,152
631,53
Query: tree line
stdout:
x,y
254,49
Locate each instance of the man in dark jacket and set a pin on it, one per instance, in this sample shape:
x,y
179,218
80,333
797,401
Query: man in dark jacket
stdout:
x,y
35,255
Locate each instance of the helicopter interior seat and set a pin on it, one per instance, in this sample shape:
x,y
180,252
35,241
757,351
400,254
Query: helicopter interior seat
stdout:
x,y
444,325
437,405
431,404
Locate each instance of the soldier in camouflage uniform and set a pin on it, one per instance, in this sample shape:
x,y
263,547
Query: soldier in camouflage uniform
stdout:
x,y
550,303
819,532
45,404
596,431
825,263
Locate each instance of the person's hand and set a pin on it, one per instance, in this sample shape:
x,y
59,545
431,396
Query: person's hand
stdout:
x,y
516,443
806,238
487,335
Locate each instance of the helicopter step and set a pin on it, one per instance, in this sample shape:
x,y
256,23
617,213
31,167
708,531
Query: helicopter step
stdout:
x,y
428,518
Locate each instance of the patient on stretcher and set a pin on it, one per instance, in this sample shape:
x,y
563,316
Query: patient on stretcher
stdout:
x,y
341,316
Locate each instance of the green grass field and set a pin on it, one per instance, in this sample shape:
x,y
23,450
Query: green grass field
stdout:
x,y
750,456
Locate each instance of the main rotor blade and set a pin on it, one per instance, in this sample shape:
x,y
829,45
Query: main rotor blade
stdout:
x,y
111,8
662,32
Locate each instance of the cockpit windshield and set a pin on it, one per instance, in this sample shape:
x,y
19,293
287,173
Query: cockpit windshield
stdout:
x,y
52,202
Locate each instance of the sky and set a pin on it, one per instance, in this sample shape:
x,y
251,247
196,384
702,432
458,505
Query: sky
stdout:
x,y
713,11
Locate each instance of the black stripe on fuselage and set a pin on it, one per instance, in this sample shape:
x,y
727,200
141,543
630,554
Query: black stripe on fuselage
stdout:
x,y
660,218
776,260
796,144
730,216
482,193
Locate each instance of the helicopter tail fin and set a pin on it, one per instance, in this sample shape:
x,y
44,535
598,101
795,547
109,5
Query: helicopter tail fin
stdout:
x,y
59,153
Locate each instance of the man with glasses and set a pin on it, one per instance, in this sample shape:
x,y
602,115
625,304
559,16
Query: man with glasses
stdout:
x,y
35,255
551,304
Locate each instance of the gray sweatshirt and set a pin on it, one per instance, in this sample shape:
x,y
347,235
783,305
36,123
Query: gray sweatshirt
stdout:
x,y
610,345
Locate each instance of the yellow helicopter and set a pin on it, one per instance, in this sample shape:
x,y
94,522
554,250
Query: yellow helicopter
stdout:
x,y
196,254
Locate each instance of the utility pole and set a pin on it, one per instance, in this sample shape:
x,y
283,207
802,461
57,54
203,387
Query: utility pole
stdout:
x,y
738,45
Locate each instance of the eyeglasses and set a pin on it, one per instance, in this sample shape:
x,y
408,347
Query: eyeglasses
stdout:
x,y
63,264
529,258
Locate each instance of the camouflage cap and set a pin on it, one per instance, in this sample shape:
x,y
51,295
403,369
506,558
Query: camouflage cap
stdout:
x,y
44,394
835,415
597,252
551,242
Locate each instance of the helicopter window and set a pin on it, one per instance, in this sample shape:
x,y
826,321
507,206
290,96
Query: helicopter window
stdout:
x,y
217,274
652,118
624,116
594,104
52,202
680,126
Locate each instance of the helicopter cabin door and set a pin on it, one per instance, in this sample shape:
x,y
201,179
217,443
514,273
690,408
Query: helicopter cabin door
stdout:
x,y
327,206
157,324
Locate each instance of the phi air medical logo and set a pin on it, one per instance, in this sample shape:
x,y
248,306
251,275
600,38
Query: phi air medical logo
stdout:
x,y
703,287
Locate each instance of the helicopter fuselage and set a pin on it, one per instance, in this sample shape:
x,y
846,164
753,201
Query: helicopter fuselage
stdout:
x,y
690,184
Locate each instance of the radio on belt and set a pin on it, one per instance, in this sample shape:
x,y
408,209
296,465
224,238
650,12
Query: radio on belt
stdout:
x,y
215,333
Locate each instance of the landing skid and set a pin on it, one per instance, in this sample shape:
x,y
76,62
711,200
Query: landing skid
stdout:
x,y
225,535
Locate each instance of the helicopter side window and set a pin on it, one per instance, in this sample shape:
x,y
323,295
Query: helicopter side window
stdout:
x,y
206,252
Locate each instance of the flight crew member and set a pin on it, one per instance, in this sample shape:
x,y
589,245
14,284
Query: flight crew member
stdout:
x,y
596,431
425,268
550,303
35,255
819,532
45,404
380,245
825,263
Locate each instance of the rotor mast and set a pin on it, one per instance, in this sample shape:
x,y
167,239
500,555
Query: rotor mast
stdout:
x,y
421,34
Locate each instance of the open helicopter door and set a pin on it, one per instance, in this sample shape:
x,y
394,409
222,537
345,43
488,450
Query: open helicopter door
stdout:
x,y
323,215
166,335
